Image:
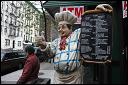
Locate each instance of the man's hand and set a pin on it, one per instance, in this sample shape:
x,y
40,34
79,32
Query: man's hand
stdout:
x,y
104,7
40,41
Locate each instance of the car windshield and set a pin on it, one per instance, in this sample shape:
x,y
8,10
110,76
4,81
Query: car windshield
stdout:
x,y
2,55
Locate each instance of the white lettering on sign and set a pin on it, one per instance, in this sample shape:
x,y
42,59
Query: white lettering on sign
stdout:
x,y
124,8
77,10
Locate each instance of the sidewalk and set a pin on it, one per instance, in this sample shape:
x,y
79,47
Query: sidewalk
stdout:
x,y
46,71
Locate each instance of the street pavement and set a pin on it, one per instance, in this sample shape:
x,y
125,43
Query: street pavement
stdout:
x,y
46,71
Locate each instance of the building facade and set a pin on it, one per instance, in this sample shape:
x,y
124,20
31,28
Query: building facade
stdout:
x,y
19,23
11,25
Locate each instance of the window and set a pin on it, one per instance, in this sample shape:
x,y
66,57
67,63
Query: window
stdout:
x,y
31,32
10,20
2,4
27,22
14,31
10,55
14,2
5,30
7,42
15,12
21,24
21,33
18,23
22,16
18,31
7,8
31,39
1,16
19,43
36,32
19,14
24,37
11,9
10,32
1,28
6,18
21,54
15,21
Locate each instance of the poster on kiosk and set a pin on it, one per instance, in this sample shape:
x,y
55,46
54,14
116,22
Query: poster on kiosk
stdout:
x,y
124,8
76,10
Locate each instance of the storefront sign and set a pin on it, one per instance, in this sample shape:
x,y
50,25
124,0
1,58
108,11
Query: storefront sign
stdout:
x,y
77,10
124,8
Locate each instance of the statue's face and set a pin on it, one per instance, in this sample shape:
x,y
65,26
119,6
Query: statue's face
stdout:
x,y
63,29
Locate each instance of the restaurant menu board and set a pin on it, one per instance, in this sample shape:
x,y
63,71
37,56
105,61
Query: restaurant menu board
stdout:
x,y
96,36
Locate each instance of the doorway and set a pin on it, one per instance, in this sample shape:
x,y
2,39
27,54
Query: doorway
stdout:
x,y
13,44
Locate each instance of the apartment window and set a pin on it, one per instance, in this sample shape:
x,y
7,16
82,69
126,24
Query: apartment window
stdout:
x,y
6,19
5,29
7,42
10,20
18,31
31,39
14,2
10,32
19,43
1,28
21,33
35,32
14,31
1,16
21,24
11,9
18,23
2,4
31,32
27,22
7,7
15,12
24,37
22,16
18,4
15,21
19,14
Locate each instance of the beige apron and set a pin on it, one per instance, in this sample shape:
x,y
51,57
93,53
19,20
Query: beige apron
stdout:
x,y
72,78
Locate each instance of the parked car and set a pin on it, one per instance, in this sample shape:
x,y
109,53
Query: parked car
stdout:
x,y
12,61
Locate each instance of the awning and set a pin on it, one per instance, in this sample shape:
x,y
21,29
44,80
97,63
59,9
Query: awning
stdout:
x,y
54,6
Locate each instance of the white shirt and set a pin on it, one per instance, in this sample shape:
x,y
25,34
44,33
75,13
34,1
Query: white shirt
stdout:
x,y
69,56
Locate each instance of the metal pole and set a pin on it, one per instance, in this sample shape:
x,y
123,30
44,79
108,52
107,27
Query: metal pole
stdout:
x,y
44,21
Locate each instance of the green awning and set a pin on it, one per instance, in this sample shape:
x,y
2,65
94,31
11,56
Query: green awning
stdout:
x,y
54,6
49,4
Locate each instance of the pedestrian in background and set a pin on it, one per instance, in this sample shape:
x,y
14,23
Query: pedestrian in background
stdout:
x,y
31,67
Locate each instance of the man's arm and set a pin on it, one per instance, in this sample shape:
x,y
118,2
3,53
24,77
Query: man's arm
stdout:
x,y
26,73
